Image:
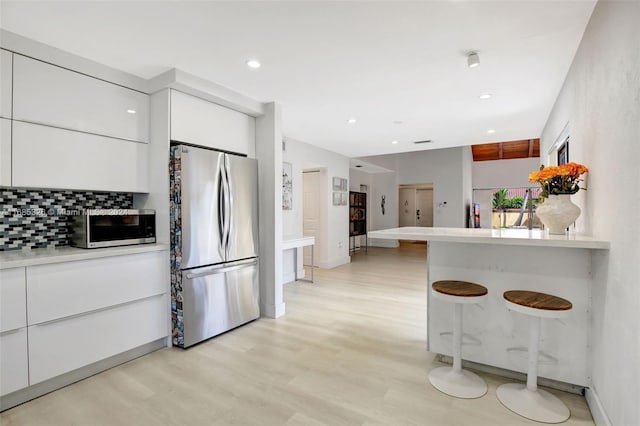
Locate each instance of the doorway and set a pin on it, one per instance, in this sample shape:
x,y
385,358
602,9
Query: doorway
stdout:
x,y
311,223
415,205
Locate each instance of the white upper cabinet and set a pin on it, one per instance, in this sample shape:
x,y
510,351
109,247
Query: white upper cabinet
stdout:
x,y
48,157
6,68
54,96
199,122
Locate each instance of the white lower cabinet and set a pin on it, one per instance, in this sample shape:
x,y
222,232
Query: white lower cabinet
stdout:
x,y
64,345
85,311
71,288
14,370
48,157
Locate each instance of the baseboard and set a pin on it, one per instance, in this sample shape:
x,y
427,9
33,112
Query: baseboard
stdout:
x,y
42,388
597,410
515,375
272,311
375,242
335,262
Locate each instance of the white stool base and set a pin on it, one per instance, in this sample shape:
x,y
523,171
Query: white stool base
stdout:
x,y
461,384
540,405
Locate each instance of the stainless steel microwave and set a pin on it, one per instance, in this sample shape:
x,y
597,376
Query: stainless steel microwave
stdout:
x,y
113,227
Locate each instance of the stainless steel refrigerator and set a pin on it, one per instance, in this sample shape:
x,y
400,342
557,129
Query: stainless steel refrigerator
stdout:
x,y
214,243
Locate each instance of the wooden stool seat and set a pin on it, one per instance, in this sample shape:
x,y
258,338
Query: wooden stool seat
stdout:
x,y
535,300
459,288
537,304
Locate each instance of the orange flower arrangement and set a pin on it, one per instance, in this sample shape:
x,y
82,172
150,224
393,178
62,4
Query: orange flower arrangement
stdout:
x,y
556,180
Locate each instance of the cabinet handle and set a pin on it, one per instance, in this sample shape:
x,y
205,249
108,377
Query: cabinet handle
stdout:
x,y
12,331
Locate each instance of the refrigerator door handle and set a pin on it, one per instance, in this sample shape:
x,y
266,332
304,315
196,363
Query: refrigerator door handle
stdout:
x,y
223,269
227,204
221,210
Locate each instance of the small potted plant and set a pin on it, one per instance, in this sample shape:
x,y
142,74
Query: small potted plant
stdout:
x,y
558,183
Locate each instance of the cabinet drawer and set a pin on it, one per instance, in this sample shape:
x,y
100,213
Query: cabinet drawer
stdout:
x,y
5,152
47,157
196,121
6,69
13,305
14,373
71,288
61,346
47,94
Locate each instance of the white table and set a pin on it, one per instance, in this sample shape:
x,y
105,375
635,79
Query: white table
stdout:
x,y
511,259
295,244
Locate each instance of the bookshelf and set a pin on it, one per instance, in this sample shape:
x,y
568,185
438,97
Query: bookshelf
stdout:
x,y
357,218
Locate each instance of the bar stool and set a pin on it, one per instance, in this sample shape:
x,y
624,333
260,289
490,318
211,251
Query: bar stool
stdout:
x,y
455,381
527,400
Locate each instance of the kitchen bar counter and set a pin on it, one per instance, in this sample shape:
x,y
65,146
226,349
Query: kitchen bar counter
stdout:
x,y
20,258
518,237
511,259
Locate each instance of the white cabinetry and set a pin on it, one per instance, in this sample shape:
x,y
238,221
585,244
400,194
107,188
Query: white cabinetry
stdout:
x,y
47,94
5,152
6,69
196,121
94,284
82,312
61,346
48,157
14,373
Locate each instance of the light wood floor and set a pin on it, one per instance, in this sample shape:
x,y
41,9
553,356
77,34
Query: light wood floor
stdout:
x,y
350,351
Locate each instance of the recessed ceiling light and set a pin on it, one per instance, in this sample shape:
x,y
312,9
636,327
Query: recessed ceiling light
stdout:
x,y
253,63
490,131
351,120
473,60
131,111
485,96
394,142
397,121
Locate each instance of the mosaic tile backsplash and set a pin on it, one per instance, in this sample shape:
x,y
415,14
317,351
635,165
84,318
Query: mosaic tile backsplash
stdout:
x,y
31,218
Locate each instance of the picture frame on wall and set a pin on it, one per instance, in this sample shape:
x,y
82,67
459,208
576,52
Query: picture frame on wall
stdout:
x,y
336,198
287,186
337,184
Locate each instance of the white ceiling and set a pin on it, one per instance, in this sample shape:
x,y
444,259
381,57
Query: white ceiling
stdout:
x,y
328,61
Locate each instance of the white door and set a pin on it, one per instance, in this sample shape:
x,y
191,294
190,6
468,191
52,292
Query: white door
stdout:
x,y
407,206
310,210
424,207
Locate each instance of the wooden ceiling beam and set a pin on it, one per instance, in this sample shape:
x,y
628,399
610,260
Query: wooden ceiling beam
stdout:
x,y
500,151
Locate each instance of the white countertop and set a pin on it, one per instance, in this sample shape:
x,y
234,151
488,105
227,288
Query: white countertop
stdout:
x,y
516,237
20,258
295,242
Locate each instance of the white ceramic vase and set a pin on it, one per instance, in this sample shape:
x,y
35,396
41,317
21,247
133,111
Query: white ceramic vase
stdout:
x,y
557,213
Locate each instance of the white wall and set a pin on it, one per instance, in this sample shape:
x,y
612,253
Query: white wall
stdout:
x,y
335,250
600,100
448,169
269,155
504,173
